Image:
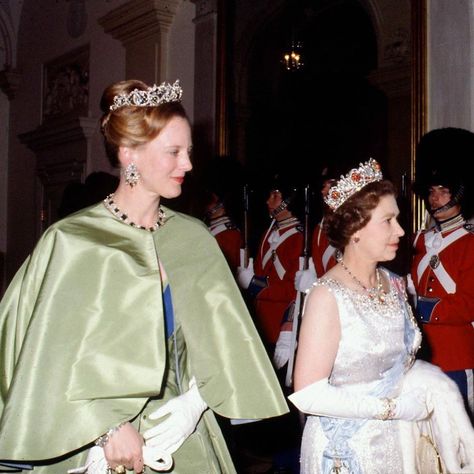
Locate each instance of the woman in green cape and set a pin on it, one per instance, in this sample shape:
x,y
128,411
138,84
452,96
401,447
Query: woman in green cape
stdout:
x,y
124,330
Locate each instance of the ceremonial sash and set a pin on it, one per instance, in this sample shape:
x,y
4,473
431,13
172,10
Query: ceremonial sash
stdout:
x,y
435,243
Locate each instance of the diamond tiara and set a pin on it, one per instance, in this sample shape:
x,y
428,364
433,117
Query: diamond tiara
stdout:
x,y
152,97
352,182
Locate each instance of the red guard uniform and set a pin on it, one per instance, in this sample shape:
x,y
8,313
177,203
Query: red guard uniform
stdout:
x,y
229,239
278,260
443,267
323,253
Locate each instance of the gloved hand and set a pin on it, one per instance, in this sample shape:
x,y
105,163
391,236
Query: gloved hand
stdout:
x,y
304,279
282,349
184,413
321,398
154,458
411,406
245,275
95,463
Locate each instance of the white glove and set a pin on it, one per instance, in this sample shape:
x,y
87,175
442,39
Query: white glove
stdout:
x,y
321,398
154,458
282,349
411,406
245,275
304,279
95,463
184,413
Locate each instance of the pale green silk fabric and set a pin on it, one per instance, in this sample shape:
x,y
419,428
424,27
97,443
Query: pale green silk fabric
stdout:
x,y
82,343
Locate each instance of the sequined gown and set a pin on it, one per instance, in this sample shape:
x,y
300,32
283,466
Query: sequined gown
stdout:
x,y
373,338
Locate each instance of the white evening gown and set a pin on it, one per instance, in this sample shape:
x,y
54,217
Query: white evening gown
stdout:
x,y
372,339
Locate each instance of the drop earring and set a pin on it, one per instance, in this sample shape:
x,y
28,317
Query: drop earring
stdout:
x,y
131,174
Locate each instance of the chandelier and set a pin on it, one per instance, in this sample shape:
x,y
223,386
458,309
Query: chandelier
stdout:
x,y
293,57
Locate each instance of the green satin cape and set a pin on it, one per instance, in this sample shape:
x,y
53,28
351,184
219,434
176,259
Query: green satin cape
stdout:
x,y
82,333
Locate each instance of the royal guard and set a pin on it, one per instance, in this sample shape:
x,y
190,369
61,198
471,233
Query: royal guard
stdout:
x,y
323,254
443,265
223,184
270,282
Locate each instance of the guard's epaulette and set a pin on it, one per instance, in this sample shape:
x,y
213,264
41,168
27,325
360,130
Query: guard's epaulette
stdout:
x,y
469,226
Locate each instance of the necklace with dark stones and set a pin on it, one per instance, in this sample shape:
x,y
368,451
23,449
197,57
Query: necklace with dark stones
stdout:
x,y
375,293
115,210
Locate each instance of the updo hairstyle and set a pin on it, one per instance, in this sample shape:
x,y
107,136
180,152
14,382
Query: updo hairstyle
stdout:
x,y
340,225
130,125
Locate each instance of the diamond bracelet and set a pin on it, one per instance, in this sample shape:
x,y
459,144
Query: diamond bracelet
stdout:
x,y
388,409
104,439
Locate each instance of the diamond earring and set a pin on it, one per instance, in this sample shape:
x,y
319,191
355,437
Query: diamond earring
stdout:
x,y
132,176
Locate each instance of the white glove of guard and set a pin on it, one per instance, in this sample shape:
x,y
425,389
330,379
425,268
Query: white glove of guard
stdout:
x,y
153,457
245,275
304,279
184,413
321,398
282,349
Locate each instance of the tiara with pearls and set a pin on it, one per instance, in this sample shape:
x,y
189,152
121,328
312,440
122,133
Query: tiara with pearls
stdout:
x,y
352,182
152,97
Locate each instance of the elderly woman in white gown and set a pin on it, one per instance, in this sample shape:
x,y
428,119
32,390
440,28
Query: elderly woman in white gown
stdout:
x,y
355,373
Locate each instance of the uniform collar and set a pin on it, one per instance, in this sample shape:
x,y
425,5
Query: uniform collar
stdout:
x,y
450,224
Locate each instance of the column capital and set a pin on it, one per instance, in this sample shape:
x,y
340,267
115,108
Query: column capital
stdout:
x,y
138,19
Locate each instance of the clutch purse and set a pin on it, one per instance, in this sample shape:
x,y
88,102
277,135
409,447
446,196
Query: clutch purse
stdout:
x,y
428,459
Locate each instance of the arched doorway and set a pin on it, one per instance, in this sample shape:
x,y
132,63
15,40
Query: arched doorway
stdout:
x,y
350,101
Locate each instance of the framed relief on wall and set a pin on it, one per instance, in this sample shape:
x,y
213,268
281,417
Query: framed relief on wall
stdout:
x,y
66,85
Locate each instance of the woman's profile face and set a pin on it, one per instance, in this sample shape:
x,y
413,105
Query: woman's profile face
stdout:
x,y
164,161
379,239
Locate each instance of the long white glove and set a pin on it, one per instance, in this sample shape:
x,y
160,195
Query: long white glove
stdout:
x,y
184,413
153,457
321,398
282,349
245,275
304,279
95,463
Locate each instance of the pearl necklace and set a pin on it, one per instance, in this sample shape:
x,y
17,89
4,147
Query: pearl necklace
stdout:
x,y
115,210
374,293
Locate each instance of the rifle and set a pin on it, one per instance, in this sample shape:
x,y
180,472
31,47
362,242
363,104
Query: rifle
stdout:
x,y
244,251
299,302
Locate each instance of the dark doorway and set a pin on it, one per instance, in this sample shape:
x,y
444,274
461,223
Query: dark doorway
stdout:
x,y
326,111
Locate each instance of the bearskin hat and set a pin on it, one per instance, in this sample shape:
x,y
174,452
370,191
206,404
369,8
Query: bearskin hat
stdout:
x,y
445,157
